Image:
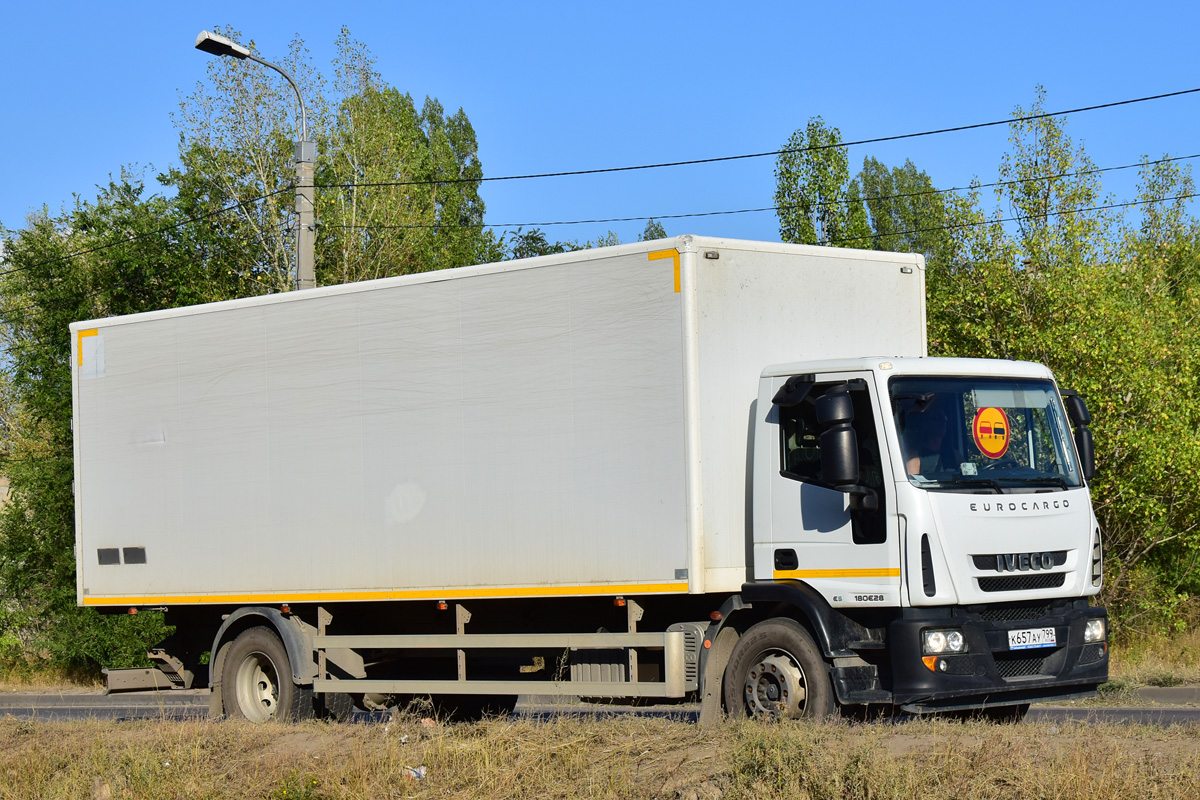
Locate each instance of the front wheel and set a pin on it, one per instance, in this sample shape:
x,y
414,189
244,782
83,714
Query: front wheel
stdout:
x,y
776,672
256,680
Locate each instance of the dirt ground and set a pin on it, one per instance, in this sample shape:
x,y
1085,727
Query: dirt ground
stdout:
x,y
587,757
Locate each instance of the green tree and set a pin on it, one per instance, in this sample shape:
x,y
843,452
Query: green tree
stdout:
x,y
531,243
906,213
121,254
652,232
398,185
1114,316
818,202
814,199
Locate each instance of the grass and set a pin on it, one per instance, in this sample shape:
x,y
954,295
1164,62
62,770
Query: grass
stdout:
x,y
1159,661
25,678
603,758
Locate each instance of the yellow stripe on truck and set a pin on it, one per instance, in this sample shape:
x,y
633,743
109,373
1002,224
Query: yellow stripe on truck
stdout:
x,y
419,594
800,574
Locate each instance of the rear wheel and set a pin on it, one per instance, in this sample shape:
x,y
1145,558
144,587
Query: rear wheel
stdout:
x,y
256,681
776,672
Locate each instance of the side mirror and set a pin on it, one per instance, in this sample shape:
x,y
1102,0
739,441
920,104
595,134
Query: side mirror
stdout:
x,y
1077,410
839,443
1087,451
839,456
1080,419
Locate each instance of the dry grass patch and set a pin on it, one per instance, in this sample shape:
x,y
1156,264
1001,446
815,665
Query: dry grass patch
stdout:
x,y
21,679
1160,661
624,757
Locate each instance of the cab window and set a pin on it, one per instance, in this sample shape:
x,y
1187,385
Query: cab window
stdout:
x,y
800,454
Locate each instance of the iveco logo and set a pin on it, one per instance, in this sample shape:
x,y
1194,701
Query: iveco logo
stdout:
x,y
1024,505
1011,562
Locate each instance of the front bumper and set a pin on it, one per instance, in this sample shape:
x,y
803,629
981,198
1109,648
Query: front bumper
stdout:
x,y
989,673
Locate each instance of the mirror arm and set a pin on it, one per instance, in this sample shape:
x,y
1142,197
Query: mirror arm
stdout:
x,y
862,498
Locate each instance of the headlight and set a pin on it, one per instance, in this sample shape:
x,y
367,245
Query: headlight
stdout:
x,y
938,642
1095,630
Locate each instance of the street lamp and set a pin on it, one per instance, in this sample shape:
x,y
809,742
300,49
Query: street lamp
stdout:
x,y
306,153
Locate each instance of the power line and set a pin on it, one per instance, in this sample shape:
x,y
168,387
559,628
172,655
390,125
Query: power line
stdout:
x,y
776,208
824,204
1018,218
16,315
135,237
718,159
8,319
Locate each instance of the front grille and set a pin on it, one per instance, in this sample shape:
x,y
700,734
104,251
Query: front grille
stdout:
x,y
1018,666
1020,583
1015,612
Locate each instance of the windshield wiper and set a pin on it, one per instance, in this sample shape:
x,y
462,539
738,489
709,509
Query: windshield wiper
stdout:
x,y
982,483
1051,480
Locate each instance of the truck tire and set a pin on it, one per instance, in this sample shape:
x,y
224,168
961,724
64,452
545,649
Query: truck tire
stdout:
x,y
256,682
776,672
337,706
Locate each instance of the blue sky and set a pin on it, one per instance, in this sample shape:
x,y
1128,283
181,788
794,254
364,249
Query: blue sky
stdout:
x,y
561,86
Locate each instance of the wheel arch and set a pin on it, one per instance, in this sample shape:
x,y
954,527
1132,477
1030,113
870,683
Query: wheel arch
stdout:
x,y
834,632
291,632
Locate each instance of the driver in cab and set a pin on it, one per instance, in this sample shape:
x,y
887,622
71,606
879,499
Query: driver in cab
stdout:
x,y
924,441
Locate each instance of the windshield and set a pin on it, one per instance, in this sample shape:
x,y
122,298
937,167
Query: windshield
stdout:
x,y
997,434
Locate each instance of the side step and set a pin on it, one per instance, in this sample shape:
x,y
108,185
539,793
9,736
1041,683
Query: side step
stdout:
x,y
168,674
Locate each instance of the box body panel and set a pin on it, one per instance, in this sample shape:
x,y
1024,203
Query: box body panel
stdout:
x,y
573,424
516,428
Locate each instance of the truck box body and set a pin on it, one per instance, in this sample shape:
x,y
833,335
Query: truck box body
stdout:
x,y
565,425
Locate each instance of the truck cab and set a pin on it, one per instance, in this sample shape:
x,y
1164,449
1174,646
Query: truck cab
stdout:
x,y
931,518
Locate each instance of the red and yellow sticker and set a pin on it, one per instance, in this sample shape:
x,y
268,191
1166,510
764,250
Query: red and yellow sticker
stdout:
x,y
990,429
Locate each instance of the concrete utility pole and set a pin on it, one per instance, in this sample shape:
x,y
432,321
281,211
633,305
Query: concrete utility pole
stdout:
x,y
306,154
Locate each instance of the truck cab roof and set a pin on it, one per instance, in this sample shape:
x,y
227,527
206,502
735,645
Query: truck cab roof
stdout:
x,y
913,366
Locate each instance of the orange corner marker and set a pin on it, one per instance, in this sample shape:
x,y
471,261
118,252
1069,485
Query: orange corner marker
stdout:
x,y
83,335
672,254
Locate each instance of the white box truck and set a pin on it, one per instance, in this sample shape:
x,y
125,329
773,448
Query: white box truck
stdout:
x,y
692,468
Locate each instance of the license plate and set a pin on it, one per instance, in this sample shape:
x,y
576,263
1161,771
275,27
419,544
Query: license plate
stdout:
x,y
1030,638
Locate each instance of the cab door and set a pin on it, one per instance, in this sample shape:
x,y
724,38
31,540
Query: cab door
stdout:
x,y
850,555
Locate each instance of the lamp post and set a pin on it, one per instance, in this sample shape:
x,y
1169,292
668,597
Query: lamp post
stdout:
x,y
306,153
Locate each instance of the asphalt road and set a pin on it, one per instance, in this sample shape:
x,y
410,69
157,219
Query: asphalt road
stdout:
x,y
1162,707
